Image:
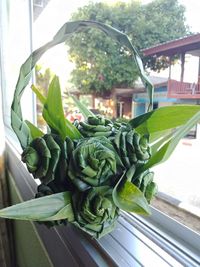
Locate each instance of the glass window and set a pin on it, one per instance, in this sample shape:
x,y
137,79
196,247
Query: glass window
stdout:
x,y
15,48
177,179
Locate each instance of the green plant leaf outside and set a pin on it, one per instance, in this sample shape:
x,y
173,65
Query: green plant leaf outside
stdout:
x,y
43,100
38,94
128,197
53,207
54,115
35,132
166,149
82,108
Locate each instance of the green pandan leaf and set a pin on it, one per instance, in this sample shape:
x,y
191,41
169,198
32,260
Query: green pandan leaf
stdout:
x,y
65,213
167,135
165,150
162,119
82,108
35,132
156,136
128,197
21,129
53,207
151,191
38,94
54,115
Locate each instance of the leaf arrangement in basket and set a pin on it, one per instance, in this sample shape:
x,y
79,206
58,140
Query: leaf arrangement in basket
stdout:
x,y
90,170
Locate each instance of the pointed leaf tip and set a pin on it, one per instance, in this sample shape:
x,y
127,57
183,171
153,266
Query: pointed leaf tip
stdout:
x,y
53,207
129,198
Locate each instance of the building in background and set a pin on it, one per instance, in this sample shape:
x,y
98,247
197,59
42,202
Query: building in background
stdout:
x,y
184,77
181,84
161,99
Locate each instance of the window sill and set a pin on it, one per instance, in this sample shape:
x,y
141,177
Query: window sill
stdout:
x,y
136,241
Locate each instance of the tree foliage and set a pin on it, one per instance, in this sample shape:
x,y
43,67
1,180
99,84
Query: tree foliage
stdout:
x,y
43,77
100,63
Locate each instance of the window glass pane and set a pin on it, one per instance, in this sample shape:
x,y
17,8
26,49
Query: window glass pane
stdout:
x,y
178,183
177,179
46,23
15,48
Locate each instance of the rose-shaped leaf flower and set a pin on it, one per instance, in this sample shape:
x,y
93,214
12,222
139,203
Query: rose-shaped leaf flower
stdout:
x,y
61,183
131,147
95,126
145,183
95,211
41,158
121,126
92,163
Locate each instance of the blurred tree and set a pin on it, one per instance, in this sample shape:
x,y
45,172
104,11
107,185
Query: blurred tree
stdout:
x,y
100,63
43,78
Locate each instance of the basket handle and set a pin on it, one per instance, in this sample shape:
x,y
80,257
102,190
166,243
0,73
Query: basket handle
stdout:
x,y
19,126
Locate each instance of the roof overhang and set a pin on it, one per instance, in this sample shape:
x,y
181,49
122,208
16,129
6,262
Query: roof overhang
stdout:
x,y
189,44
127,92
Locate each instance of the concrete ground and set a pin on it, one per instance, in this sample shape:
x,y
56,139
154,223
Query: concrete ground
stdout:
x,y
178,179
181,215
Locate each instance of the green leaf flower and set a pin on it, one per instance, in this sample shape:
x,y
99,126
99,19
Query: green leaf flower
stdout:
x,y
61,181
95,211
41,158
145,183
121,126
96,126
131,147
92,163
